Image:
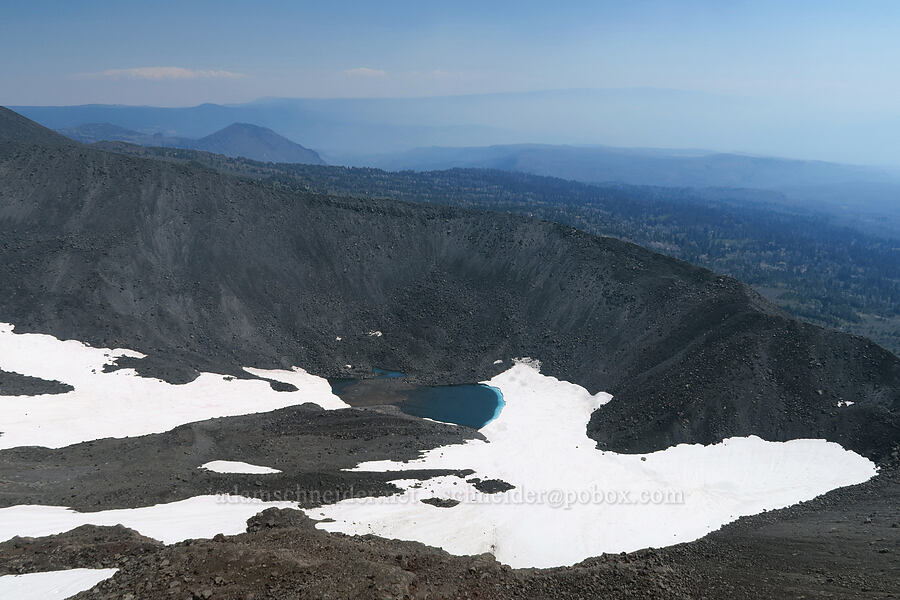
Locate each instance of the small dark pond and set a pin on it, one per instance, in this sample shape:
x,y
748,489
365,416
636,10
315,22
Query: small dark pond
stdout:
x,y
471,405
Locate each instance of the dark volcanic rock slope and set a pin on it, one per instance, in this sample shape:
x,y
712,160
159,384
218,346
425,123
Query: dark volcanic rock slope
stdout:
x,y
204,271
15,127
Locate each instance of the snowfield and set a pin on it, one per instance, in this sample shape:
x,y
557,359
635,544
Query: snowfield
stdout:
x,y
51,585
122,404
235,466
194,518
572,501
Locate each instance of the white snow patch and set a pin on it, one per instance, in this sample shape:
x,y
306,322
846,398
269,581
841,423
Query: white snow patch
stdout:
x,y
572,501
197,517
844,403
235,466
51,585
375,334
498,361
122,404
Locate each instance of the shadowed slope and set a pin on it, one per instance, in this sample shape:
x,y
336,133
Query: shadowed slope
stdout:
x,y
15,127
205,271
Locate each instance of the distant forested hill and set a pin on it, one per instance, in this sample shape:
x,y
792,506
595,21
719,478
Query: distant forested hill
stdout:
x,y
236,140
809,264
865,197
644,166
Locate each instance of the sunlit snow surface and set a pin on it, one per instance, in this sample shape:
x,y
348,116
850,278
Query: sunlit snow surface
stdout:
x,y
197,517
235,466
572,501
121,404
51,585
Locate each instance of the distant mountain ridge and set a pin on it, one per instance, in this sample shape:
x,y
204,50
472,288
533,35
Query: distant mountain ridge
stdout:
x,y
257,143
90,133
238,139
635,166
343,130
353,130
862,195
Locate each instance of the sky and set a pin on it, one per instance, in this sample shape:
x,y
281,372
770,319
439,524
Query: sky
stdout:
x,y
835,61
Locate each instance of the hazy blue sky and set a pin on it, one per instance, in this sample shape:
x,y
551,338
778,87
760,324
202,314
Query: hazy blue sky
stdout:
x,y
835,60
